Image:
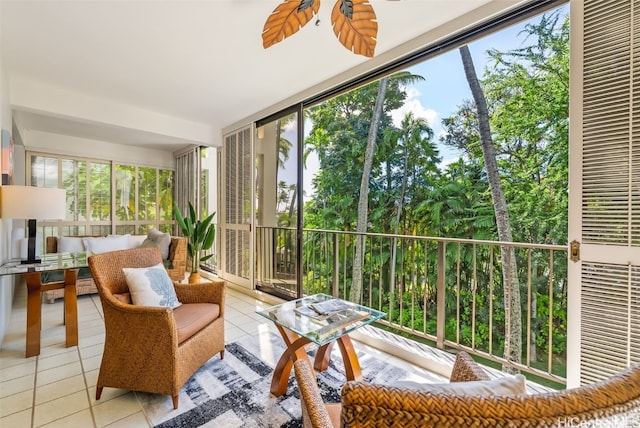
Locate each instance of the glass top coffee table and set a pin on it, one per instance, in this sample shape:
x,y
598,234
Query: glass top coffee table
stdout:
x,y
319,319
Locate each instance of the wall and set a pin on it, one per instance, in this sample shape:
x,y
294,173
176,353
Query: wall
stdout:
x,y
6,282
40,98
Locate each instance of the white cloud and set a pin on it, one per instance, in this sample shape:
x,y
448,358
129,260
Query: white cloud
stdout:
x,y
414,105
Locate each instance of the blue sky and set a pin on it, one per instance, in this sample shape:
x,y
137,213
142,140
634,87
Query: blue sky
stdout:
x,y
445,86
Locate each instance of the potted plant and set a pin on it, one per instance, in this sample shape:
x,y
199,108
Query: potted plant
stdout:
x,y
200,236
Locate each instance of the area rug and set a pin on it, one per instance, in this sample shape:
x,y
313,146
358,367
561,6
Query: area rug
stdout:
x,y
234,392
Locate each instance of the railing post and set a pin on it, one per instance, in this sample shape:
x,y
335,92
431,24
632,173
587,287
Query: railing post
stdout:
x,y
335,291
440,296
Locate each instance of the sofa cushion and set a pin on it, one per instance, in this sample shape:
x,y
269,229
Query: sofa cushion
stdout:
x,y
70,244
506,385
192,317
107,243
151,286
162,240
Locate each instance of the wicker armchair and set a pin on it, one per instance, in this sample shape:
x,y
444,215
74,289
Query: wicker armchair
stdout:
x,y
154,349
367,405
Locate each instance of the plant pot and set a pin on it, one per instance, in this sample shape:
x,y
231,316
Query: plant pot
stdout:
x,y
194,278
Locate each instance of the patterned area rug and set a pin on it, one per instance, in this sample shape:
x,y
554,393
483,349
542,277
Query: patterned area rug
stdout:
x,y
234,392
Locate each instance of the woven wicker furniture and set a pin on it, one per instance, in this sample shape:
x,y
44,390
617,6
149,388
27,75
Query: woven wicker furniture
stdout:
x,y
614,402
154,349
86,285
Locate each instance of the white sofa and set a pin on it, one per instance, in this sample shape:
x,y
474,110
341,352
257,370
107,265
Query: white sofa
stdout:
x,y
172,248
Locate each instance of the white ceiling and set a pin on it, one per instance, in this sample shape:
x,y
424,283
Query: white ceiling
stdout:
x,y
201,61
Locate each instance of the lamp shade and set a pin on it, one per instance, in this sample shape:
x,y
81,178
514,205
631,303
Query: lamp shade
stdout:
x,y
28,202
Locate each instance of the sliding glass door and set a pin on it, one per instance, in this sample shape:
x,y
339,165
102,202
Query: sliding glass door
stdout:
x,y
277,214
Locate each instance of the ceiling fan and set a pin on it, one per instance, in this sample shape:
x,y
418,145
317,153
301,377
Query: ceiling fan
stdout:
x,y
354,23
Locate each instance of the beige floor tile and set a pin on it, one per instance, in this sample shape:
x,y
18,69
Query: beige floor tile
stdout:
x,y
107,412
69,356
86,333
92,363
26,368
16,403
16,420
59,389
92,350
86,342
62,407
231,334
137,420
16,385
80,419
45,377
91,378
13,357
241,320
52,349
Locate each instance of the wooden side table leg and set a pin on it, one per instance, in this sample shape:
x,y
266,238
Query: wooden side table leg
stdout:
x,y
71,307
34,315
350,358
294,351
323,357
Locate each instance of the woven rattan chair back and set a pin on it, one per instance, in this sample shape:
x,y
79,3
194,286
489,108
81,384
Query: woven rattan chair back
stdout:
x,y
107,267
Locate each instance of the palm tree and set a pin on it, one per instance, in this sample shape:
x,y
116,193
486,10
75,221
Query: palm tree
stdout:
x,y
404,78
513,322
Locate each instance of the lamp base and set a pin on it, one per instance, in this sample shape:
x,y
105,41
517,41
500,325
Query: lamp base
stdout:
x,y
31,244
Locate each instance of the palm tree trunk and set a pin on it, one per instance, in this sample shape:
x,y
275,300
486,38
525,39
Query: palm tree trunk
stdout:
x,y
355,294
513,320
399,208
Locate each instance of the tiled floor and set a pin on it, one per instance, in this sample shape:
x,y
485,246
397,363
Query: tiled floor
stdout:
x,y
57,388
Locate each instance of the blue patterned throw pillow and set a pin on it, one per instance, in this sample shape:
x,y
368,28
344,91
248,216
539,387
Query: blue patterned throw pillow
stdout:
x,y
151,286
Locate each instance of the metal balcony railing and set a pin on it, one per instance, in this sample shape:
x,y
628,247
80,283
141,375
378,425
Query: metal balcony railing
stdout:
x,y
443,291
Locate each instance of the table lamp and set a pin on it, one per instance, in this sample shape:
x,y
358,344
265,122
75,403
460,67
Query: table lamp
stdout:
x,y
32,203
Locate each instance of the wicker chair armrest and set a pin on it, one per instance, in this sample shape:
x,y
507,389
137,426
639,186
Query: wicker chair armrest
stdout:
x,y
465,369
203,292
134,325
373,405
313,409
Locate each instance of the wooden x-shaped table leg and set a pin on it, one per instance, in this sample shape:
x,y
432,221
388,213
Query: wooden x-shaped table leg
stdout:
x,y
296,350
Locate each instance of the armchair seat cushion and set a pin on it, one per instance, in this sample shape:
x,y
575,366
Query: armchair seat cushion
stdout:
x,y
192,317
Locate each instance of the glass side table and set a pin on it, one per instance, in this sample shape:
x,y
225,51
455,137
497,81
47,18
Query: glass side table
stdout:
x,y
319,319
67,262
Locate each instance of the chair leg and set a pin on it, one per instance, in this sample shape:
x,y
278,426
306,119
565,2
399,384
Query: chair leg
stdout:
x,y
222,354
175,402
98,392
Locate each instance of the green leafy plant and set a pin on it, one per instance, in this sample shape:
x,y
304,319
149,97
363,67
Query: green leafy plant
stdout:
x,y
200,234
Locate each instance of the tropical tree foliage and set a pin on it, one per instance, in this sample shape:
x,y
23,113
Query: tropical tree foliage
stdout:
x,y
410,193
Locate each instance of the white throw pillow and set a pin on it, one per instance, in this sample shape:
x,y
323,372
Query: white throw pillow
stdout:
x,y
70,244
151,286
506,385
107,243
162,240
137,240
